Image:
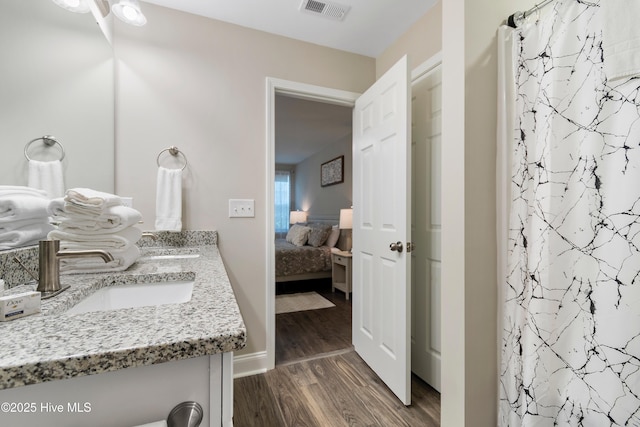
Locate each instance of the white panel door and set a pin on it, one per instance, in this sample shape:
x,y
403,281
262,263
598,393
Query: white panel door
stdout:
x,y
426,227
381,217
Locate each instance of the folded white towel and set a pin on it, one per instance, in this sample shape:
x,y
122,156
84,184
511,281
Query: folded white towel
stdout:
x,y
121,240
47,176
56,208
17,190
621,38
122,259
28,235
112,220
22,207
88,200
59,209
22,223
169,200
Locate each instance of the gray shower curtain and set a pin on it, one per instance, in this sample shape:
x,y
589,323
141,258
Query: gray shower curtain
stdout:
x,y
570,285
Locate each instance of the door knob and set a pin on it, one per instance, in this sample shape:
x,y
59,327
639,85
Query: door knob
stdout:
x,y
396,247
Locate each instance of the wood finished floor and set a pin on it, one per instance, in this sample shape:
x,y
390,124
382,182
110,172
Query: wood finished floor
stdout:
x,y
319,381
332,391
304,334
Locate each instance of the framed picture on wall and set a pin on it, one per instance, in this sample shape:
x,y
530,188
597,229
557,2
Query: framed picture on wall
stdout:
x,y
332,172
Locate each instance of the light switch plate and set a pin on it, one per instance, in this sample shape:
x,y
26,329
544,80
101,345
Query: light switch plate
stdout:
x,y
241,208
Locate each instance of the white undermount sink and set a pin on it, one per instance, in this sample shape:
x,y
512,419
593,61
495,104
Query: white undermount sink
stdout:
x,y
135,295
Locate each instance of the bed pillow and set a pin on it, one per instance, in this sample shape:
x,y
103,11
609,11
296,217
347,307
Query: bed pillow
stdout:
x,y
318,234
334,235
298,235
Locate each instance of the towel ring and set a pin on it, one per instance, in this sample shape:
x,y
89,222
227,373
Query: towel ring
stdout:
x,y
173,150
49,141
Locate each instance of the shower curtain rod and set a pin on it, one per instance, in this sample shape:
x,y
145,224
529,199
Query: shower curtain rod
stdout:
x,y
517,18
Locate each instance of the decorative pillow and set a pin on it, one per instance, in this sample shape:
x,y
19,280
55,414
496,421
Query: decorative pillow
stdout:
x,y
334,235
298,235
318,234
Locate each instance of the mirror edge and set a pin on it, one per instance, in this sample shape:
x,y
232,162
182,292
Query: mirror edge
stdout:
x,y
100,10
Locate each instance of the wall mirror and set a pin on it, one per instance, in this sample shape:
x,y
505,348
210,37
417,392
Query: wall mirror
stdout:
x,y
57,79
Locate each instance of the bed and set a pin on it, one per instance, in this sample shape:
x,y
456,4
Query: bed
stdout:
x,y
303,260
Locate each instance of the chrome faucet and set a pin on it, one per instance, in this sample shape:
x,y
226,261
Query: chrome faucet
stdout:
x,y
49,255
149,234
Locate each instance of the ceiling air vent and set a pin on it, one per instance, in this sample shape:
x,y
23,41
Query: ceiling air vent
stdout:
x,y
325,9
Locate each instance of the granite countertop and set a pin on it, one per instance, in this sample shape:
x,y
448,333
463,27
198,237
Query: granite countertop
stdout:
x,y
53,345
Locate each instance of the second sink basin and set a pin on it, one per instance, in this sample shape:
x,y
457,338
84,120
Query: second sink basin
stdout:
x,y
135,295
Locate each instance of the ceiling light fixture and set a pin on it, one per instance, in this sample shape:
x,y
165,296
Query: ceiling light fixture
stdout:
x,y
129,11
77,6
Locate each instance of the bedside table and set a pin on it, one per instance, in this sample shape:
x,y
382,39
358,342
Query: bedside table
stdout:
x,y
341,272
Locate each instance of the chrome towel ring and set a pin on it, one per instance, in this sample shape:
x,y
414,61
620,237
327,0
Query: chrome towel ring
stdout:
x,y
49,141
173,150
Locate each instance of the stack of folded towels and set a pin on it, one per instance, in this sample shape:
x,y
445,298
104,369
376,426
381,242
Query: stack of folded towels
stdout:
x,y
89,219
24,219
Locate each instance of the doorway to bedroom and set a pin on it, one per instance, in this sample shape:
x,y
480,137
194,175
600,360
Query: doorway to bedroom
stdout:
x,y
425,228
313,319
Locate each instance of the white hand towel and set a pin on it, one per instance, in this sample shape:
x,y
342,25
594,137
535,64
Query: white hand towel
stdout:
x,y
23,207
122,259
47,176
112,220
621,38
28,235
91,201
17,190
169,200
120,240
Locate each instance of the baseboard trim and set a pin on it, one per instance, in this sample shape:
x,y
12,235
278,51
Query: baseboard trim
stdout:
x,y
245,365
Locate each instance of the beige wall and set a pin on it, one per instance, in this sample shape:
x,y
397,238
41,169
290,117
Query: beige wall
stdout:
x,y
321,201
200,84
420,42
470,385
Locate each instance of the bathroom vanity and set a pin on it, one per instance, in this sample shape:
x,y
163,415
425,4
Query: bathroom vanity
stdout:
x,y
127,366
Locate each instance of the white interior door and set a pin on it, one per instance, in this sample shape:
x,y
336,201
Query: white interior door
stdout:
x,y
381,217
426,228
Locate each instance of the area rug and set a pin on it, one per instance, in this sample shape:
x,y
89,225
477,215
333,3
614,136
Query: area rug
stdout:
x,y
289,303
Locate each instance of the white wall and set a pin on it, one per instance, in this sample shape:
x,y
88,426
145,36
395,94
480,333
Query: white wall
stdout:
x,y
321,201
200,84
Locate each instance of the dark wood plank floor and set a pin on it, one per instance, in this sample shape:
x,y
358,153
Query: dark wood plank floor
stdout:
x,y
304,334
331,391
319,381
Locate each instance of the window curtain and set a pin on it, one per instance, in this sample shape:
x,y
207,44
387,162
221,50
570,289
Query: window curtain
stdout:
x,y
282,198
570,322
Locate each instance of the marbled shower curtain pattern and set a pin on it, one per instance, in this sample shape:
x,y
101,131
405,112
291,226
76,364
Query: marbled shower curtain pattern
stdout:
x,y
571,327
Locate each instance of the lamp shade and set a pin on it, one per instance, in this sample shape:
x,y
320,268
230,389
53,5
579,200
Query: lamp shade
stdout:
x,y
129,11
297,216
346,219
77,6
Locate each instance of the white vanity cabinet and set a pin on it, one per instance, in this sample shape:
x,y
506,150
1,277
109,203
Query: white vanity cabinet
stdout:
x,y
127,397
131,366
